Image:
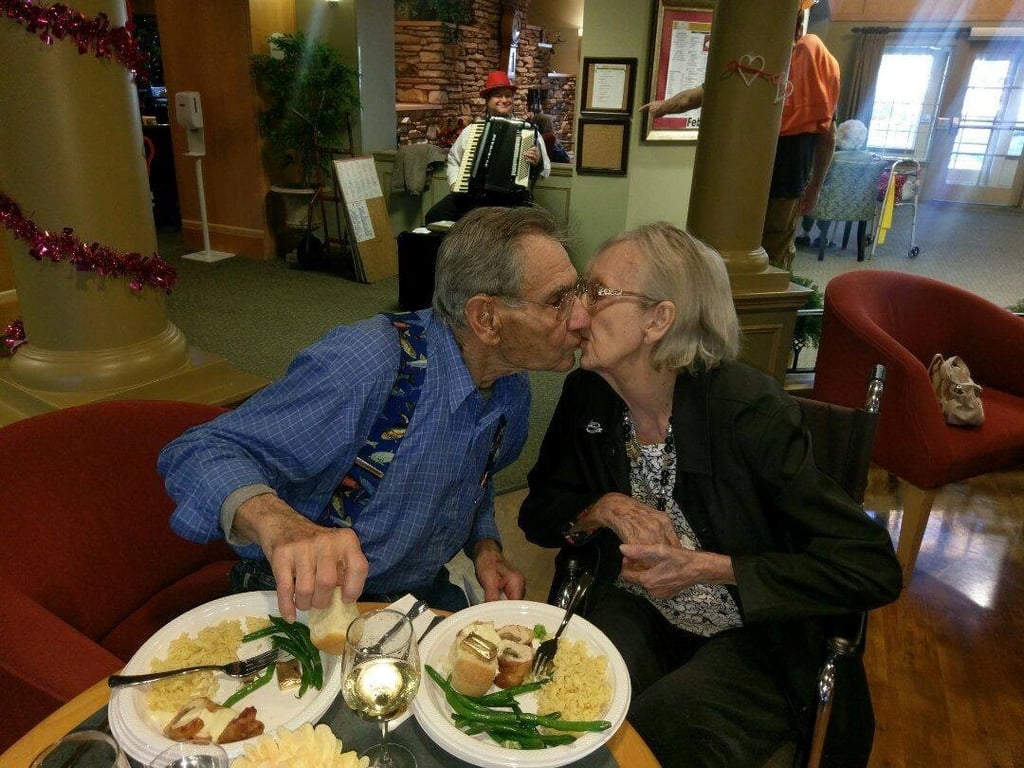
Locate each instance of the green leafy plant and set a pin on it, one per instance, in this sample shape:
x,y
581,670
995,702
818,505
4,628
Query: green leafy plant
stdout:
x,y
309,94
453,14
807,330
1018,308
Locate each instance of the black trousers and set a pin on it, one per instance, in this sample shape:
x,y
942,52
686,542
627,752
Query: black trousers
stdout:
x,y
696,701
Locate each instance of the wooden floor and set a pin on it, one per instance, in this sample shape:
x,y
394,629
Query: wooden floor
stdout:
x,y
946,661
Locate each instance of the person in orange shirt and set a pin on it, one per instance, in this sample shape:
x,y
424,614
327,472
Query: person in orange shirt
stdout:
x,y
807,137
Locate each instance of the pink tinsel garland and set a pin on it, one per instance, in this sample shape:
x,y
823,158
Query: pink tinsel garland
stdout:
x,y
60,21
142,270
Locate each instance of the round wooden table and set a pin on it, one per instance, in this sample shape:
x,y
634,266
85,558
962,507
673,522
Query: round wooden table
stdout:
x,y
626,746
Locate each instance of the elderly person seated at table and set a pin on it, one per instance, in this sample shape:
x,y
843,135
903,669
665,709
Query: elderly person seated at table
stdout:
x,y
720,544
849,186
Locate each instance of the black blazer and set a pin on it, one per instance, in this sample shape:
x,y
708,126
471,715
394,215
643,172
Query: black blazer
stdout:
x,y
801,548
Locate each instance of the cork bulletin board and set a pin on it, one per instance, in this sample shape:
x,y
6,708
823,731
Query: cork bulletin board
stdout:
x,y
602,146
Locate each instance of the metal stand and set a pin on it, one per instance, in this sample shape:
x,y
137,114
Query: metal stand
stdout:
x,y
206,254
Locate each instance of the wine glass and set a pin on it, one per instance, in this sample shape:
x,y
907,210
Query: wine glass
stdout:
x,y
381,674
192,754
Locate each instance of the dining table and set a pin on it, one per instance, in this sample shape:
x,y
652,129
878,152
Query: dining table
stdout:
x,y
625,747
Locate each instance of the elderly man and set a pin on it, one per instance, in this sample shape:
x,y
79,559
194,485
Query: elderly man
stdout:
x,y
370,464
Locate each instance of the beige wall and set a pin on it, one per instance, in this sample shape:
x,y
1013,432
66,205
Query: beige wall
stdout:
x,y
658,182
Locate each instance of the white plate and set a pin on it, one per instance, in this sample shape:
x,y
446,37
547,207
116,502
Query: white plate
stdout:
x,y
434,715
138,733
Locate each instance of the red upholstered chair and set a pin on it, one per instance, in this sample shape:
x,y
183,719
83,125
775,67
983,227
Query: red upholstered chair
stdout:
x,y
89,567
902,320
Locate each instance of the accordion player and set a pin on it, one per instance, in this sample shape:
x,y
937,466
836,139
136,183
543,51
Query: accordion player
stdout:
x,y
493,167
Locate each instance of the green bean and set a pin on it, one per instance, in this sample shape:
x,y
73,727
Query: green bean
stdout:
x,y
249,687
293,638
499,698
468,711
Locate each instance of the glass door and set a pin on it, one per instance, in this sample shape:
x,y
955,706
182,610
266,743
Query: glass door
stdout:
x,y
979,138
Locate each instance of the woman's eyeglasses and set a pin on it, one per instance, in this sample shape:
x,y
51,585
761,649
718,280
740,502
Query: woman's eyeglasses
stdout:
x,y
593,291
588,291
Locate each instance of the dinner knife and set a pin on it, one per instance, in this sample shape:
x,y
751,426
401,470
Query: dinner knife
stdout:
x,y
471,596
433,623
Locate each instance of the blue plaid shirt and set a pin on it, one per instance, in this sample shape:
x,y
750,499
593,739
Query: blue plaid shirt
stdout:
x,y
301,434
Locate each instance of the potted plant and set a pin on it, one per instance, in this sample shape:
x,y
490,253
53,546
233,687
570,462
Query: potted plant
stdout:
x,y
807,330
309,94
452,13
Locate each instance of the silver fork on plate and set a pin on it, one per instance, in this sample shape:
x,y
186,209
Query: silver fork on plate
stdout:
x,y
242,668
543,662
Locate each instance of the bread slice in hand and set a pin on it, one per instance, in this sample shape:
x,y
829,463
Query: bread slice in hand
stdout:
x,y
328,626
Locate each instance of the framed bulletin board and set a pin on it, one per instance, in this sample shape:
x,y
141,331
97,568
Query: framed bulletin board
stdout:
x,y
602,146
608,85
679,59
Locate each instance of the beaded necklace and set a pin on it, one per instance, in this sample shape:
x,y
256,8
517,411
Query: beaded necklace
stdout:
x,y
666,472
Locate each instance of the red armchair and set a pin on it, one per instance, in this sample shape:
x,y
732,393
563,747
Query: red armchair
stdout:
x,y
89,567
901,320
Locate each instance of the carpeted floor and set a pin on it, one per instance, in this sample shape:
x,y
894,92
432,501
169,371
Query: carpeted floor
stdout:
x,y
258,315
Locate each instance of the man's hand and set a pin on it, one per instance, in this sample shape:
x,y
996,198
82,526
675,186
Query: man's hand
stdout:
x,y
665,571
632,521
684,101
308,560
532,155
495,574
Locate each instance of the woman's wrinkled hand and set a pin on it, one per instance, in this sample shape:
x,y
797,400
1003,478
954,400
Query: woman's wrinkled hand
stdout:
x,y
665,570
632,521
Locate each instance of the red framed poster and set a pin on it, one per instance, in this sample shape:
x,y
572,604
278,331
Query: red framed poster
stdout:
x,y
679,57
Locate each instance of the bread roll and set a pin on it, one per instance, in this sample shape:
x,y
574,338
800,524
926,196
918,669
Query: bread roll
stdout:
x,y
327,626
474,666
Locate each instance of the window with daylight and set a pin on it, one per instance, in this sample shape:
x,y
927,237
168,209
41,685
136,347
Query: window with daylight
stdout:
x,y
906,93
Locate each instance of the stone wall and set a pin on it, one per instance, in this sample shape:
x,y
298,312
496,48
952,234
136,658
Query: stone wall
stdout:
x,y
446,78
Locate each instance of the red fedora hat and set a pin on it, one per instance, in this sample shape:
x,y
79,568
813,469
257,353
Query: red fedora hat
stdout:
x,y
495,80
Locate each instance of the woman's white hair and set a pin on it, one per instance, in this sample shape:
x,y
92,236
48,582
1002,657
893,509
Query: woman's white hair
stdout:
x,y
851,134
692,275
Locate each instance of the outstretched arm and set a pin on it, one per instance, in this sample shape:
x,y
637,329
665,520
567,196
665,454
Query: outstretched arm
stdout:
x,y
684,101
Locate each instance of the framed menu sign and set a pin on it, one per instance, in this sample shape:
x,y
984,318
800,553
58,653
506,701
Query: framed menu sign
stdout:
x,y
679,59
608,85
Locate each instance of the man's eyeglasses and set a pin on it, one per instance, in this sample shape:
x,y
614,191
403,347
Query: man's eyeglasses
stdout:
x,y
561,303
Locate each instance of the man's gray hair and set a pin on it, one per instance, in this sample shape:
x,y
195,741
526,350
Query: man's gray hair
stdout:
x,y
692,275
481,254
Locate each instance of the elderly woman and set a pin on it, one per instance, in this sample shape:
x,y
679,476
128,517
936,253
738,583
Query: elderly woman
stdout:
x,y
719,544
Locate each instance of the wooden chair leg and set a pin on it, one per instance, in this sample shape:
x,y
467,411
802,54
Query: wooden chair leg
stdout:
x,y
917,505
846,234
862,228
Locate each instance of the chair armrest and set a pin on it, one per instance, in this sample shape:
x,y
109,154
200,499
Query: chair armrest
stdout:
x,y
46,652
993,340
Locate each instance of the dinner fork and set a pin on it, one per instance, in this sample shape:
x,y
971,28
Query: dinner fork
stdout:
x,y
242,668
544,660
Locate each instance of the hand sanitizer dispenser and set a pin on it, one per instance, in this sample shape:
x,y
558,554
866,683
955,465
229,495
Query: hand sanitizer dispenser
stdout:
x,y
189,110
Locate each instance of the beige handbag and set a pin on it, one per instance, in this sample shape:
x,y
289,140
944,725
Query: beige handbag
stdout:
x,y
958,394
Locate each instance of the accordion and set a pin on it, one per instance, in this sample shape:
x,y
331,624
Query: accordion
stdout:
x,y
493,164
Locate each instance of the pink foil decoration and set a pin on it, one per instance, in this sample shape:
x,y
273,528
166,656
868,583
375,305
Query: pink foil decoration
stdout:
x,y
95,257
59,21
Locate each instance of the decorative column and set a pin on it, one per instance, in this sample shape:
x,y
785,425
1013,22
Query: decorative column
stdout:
x,y
744,88
73,158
